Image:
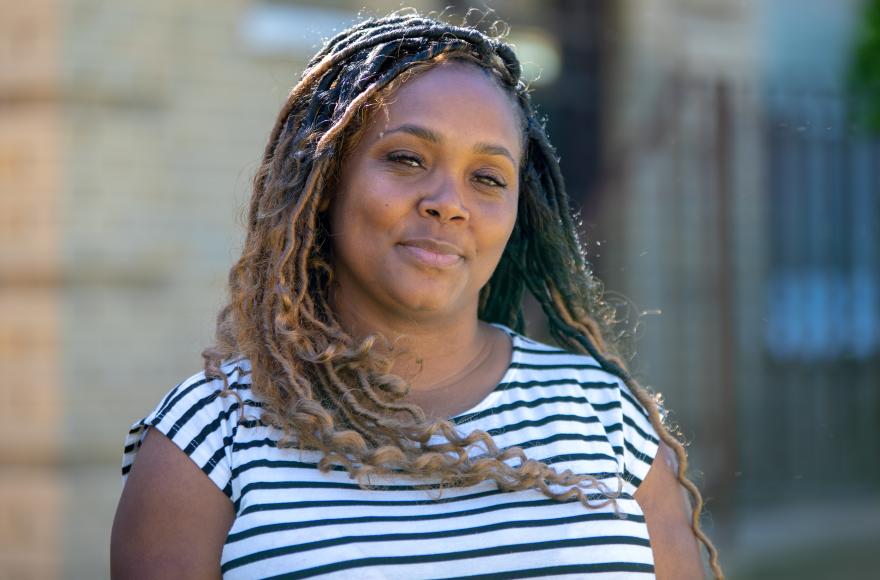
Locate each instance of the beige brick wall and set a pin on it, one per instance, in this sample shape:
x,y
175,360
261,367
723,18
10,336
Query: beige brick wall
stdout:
x,y
30,176
30,169
29,37
30,173
160,160
29,515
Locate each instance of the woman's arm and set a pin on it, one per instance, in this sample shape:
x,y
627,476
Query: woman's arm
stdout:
x,y
668,515
171,521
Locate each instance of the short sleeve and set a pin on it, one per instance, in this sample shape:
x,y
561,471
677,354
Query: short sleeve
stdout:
x,y
200,421
640,439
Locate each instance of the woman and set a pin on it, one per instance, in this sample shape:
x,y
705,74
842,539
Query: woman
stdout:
x,y
371,409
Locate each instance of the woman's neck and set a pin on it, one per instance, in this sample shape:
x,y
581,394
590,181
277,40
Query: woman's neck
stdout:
x,y
430,352
436,363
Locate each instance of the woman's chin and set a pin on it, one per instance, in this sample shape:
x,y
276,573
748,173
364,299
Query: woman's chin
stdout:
x,y
438,302
424,306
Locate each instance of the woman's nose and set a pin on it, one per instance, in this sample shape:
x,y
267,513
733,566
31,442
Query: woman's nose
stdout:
x,y
445,202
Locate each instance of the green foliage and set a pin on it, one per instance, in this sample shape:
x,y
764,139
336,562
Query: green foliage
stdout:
x,y
864,73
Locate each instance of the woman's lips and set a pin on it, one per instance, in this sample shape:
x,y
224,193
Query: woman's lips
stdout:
x,y
432,254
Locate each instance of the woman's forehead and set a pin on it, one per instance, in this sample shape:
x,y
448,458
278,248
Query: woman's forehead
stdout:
x,y
448,97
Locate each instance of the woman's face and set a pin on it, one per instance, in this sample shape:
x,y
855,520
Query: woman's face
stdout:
x,y
427,199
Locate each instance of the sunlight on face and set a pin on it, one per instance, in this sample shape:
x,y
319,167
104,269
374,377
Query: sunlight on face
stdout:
x,y
428,198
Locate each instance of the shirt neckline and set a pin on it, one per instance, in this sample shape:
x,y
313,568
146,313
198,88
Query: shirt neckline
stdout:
x,y
508,377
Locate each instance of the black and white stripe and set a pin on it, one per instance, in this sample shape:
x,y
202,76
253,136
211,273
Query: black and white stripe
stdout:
x,y
293,521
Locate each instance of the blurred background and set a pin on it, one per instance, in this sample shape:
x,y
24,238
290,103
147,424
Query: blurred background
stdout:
x,y
724,156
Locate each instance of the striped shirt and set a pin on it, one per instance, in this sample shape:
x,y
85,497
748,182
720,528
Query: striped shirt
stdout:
x,y
293,521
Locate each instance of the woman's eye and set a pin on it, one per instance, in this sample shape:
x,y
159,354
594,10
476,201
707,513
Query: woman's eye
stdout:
x,y
407,159
491,180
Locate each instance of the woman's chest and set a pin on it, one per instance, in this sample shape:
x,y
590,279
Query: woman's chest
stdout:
x,y
293,519
309,524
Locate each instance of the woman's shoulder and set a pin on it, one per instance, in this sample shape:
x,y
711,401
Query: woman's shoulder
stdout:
x,y
218,390
577,384
199,414
533,354
602,384
231,375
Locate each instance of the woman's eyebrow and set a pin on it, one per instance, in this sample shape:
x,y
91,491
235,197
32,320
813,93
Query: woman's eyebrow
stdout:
x,y
434,137
416,131
492,149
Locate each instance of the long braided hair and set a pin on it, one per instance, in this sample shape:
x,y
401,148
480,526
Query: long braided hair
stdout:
x,y
328,392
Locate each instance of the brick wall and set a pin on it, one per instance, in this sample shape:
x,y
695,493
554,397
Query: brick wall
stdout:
x,y
165,118
30,177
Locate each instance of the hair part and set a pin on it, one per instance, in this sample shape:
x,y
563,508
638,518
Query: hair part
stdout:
x,y
328,392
